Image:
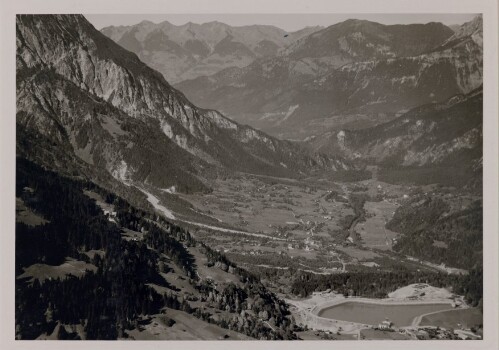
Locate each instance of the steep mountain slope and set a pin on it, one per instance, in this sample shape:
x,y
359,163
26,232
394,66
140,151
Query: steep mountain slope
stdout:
x,y
445,136
355,73
98,268
428,134
424,220
192,50
85,94
469,30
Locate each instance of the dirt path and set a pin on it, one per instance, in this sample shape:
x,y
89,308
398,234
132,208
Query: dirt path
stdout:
x,y
215,228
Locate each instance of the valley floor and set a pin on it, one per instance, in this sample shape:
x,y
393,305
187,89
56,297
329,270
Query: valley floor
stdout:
x,y
314,224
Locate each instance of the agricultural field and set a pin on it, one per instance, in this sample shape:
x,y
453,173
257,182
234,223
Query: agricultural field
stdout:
x,y
178,325
293,210
373,231
313,224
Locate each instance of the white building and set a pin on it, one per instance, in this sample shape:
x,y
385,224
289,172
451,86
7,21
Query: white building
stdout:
x,y
386,324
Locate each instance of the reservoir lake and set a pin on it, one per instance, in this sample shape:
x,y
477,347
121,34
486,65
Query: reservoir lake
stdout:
x,y
401,315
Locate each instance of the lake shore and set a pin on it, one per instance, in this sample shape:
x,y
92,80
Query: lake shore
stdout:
x,y
307,311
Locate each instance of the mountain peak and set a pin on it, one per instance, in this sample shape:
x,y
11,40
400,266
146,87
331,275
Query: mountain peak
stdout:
x,y
472,29
361,24
146,22
191,50
356,40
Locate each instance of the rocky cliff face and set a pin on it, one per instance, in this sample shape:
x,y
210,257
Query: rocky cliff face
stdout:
x,y
192,50
356,69
81,92
472,29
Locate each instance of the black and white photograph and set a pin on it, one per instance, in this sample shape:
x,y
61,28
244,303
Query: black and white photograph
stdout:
x,y
202,175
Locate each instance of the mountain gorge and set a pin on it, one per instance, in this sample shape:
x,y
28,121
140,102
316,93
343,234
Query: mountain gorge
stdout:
x,y
90,96
352,74
192,50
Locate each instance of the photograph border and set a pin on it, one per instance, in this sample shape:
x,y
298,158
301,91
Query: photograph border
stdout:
x,y
489,9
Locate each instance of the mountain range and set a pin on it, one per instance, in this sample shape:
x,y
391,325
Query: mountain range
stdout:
x,y
83,99
192,50
355,74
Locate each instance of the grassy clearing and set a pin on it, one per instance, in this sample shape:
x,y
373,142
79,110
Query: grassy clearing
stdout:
x,y
69,328
359,254
26,216
186,327
217,275
41,272
101,203
178,279
373,231
91,253
129,235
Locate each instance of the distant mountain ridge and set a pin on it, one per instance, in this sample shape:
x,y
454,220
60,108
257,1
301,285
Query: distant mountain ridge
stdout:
x,y
355,72
191,50
356,40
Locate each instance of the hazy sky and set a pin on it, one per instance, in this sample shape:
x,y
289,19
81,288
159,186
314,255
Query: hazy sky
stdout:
x,y
288,22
